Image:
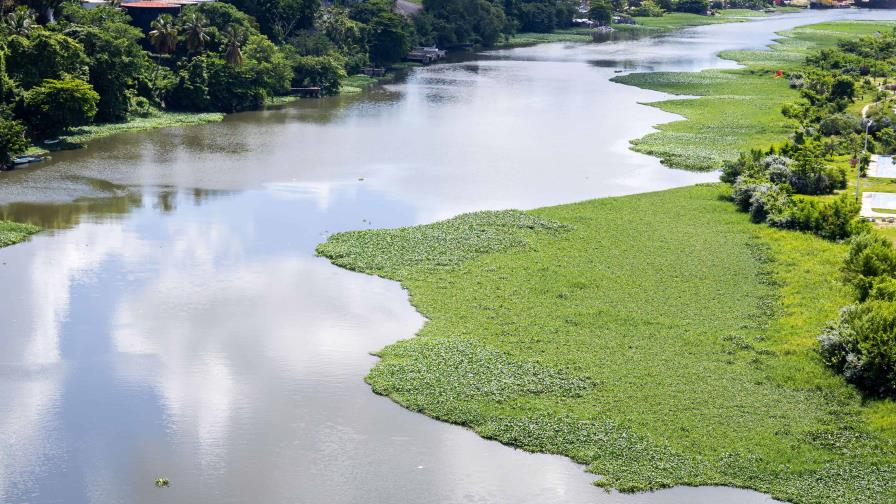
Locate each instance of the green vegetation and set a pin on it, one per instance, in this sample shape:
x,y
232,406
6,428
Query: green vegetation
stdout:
x,y
536,319
673,21
738,109
564,35
14,232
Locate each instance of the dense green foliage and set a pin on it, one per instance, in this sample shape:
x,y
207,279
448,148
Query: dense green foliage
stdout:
x,y
535,319
14,232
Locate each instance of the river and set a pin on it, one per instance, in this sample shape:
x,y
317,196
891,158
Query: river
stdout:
x,y
174,321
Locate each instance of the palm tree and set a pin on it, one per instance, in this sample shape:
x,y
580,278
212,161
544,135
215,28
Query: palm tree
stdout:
x,y
20,21
163,36
235,37
195,36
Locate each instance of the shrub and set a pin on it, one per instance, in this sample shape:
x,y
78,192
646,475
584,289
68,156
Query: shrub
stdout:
x,y
767,199
692,6
840,124
861,345
871,257
648,8
56,105
12,140
320,71
744,187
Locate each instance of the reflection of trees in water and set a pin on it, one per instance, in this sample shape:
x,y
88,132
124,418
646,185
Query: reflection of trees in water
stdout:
x,y
167,199
65,215
69,214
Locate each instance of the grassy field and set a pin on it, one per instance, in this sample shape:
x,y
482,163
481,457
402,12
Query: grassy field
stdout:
x,y
13,232
737,109
674,349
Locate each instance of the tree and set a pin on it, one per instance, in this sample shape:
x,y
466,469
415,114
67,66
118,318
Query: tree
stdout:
x,y
56,105
346,34
279,19
44,54
46,8
692,6
843,88
389,39
20,21
12,140
235,38
163,36
601,12
324,72
116,62
195,37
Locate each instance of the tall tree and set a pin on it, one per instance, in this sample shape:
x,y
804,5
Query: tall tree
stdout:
x,y
163,36
194,33
233,54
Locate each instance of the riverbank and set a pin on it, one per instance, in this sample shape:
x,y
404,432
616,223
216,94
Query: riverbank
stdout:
x,y
535,320
737,109
14,232
644,27
78,137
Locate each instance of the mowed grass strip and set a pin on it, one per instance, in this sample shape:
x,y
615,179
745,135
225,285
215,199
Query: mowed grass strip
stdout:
x,y
661,339
737,109
14,232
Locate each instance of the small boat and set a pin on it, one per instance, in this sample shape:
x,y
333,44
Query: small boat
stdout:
x,y
51,142
21,160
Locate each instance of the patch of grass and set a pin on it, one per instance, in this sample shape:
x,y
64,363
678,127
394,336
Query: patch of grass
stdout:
x,y
884,210
76,137
672,21
661,339
579,34
14,232
742,13
737,109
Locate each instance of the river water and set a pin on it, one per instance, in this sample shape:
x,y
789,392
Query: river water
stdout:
x,y
174,320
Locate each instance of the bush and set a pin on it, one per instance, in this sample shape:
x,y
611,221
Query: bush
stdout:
x,y
324,72
56,105
840,124
861,345
871,258
809,175
648,8
601,12
692,6
191,90
12,140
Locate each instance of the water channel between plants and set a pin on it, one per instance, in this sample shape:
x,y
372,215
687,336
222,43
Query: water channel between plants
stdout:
x,y
174,321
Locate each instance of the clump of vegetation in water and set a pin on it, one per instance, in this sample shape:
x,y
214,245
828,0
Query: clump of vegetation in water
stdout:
x,y
738,109
163,482
443,244
14,232
670,342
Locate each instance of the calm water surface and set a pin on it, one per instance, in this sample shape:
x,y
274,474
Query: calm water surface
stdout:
x,y
175,322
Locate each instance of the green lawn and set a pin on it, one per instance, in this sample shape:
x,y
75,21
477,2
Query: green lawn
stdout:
x,y
660,339
13,232
737,109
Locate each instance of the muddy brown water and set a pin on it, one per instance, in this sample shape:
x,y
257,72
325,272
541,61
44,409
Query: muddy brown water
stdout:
x,y
173,321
